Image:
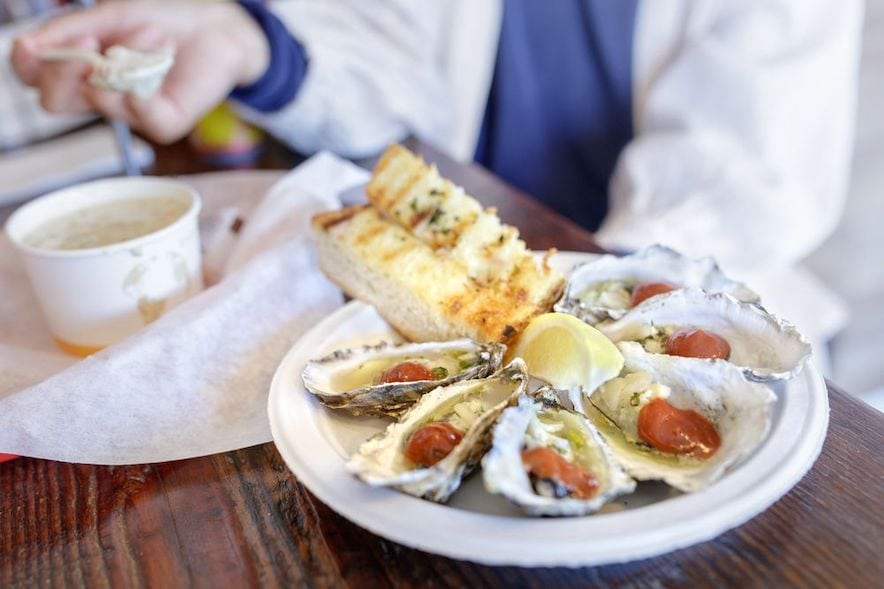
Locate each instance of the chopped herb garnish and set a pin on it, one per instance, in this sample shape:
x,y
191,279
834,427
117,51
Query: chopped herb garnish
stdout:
x,y
440,372
575,439
436,192
468,363
634,400
437,214
414,204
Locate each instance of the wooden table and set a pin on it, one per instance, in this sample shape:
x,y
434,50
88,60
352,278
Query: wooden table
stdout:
x,y
241,519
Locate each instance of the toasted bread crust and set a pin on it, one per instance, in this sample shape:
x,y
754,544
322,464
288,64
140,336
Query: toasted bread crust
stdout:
x,y
425,296
329,219
434,264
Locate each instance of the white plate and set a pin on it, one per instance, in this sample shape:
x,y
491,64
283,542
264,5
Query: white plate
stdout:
x,y
315,443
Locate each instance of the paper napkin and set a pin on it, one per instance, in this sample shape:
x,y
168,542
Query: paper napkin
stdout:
x,y
194,382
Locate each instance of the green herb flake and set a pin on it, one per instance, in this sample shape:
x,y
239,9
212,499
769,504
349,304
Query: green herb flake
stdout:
x,y
437,214
575,439
440,372
436,192
414,204
634,400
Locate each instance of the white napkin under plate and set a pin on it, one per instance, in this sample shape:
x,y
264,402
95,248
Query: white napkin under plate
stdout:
x,y
194,382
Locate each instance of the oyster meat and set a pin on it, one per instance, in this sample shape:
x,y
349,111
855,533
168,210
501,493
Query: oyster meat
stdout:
x,y
764,347
351,379
549,460
441,438
603,289
651,448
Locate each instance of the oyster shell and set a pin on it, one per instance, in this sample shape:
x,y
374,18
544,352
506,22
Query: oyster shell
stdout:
x,y
601,289
764,347
541,421
472,406
739,410
349,379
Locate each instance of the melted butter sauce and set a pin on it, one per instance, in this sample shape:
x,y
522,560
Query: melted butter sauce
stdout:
x,y
369,372
616,438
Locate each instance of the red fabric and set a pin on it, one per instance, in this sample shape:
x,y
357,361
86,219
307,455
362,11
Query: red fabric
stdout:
x,y
5,457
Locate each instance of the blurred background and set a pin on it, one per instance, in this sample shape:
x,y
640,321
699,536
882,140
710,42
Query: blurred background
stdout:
x,y
849,262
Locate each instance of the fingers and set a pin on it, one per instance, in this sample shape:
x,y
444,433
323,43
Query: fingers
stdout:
x,y
25,60
108,24
99,22
62,83
205,68
190,90
145,37
156,117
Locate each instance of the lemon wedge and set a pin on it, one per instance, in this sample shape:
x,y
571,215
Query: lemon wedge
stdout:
x,y
569,354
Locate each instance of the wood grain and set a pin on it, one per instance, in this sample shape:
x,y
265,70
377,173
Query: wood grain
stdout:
x,y
241,519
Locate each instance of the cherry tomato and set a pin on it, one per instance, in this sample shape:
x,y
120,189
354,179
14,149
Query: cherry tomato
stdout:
x,y
407,372
545,463
677,431
431,443
649,289
696,343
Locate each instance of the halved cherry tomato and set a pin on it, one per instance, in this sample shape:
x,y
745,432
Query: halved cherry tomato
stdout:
x,y
431,443
677,431
407,372
696,343
649,289
545,463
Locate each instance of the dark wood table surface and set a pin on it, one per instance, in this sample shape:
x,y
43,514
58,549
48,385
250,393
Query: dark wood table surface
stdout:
x,y
242,519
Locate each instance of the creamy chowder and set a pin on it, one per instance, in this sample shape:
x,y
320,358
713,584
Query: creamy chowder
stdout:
x,y
107,223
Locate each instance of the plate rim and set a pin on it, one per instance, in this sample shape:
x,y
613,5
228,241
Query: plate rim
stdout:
x,y
790,467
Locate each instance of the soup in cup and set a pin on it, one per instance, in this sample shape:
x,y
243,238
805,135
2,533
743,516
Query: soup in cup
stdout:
x,y
106,258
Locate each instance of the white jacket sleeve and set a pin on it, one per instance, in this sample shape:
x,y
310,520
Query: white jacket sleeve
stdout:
x,y
372,78
744,128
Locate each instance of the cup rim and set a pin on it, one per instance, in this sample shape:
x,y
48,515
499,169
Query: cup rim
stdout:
x,y
192,212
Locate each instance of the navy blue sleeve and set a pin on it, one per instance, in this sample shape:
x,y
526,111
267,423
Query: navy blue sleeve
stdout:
x,y
288,64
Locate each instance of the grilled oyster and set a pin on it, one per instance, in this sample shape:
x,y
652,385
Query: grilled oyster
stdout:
x,y
604,288
351,379
441,438
657,417
549,460
764,347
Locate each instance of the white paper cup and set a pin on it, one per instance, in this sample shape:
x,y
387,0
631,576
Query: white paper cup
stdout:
x,y
95,297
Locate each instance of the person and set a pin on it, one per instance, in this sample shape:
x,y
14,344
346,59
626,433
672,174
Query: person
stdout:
x,y
715,127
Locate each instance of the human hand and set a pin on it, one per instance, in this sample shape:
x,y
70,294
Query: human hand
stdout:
x,y
217,46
